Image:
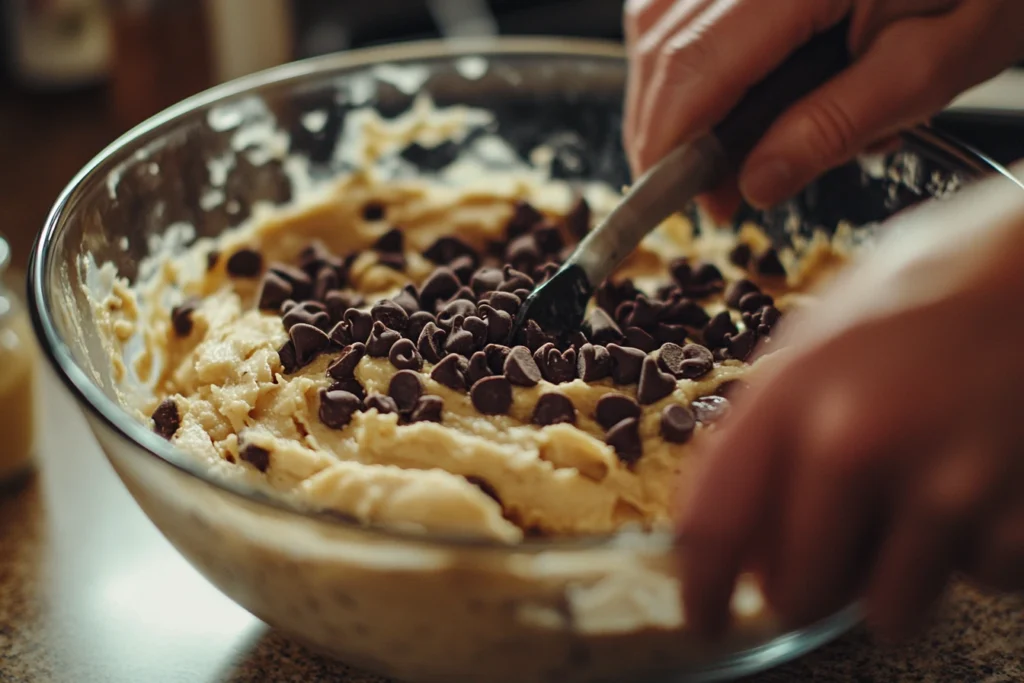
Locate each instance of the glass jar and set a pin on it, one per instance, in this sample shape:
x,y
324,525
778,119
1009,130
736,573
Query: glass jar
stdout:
x,y
17,381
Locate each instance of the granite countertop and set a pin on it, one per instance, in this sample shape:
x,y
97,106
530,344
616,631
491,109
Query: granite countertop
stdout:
x,y
90,591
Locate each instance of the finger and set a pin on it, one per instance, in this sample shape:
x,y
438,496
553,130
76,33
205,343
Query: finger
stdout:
x,y
731,493
640,15
722,202
913,70
700,73
929,532
643,52
832,505
871,16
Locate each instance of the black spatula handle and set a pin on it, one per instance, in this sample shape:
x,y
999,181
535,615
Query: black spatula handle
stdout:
x,y
810,66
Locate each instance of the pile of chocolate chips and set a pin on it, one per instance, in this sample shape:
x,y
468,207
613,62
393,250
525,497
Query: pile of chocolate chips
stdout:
x,y
460,318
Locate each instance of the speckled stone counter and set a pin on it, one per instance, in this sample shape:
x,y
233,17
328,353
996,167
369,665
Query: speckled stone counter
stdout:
x,y
90,591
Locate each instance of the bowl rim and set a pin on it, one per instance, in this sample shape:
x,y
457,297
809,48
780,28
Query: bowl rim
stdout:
x,y
115,418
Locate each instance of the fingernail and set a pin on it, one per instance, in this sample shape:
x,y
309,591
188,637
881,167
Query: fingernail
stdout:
x,y
765,182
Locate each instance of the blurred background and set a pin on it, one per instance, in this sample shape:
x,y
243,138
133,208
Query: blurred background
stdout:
x,y
74,74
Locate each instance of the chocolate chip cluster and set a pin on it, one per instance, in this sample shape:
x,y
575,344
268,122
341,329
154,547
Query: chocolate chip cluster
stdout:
x,y
459,320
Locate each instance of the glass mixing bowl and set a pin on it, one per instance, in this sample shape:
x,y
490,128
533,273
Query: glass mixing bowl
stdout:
x,y
413,607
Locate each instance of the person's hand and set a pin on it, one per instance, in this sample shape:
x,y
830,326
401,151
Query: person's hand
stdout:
x,y
692,60
884,447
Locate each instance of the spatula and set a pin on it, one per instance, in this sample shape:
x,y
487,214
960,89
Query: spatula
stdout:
x,y
559,304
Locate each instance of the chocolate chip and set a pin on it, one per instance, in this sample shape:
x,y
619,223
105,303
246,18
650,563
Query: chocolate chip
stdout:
x,y
463,267
548,237
681,271
447,249
602,329
417,321
407,301
381,403
439,286
359,324
692,361
452,310
181,317
289,361
505,301
710,409
340,335
392,241
381,340
486,280
737,290
624,311
535,337
521,368
300,281
612,409
451,372
741,345
522,294
460,340
577,339
373,210
338,302
390,314
766,319
427,409
492,395
740,255
351,385
556,366
406,389
670,334
577,221
404,356
306,313
593,363
654,384
717,332
677,423
639,339
624,437
326,281
212,257
255,455
610,294
309,342
545,271
707,273
478,328
496,355
166,419
769,264
523,253
274,291
344,366
315,256
645,313
245,263
478,368
626,363
499,323
515,280
524,217
430,343
685,312
553,409
337,408
391,259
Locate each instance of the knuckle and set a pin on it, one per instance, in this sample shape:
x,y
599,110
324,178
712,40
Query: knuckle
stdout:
x,y
830,131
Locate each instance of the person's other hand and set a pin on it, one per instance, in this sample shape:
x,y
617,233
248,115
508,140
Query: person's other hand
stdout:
x,y
692,60
884,446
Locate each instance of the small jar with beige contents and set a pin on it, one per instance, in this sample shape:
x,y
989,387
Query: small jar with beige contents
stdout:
x,y
17,381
